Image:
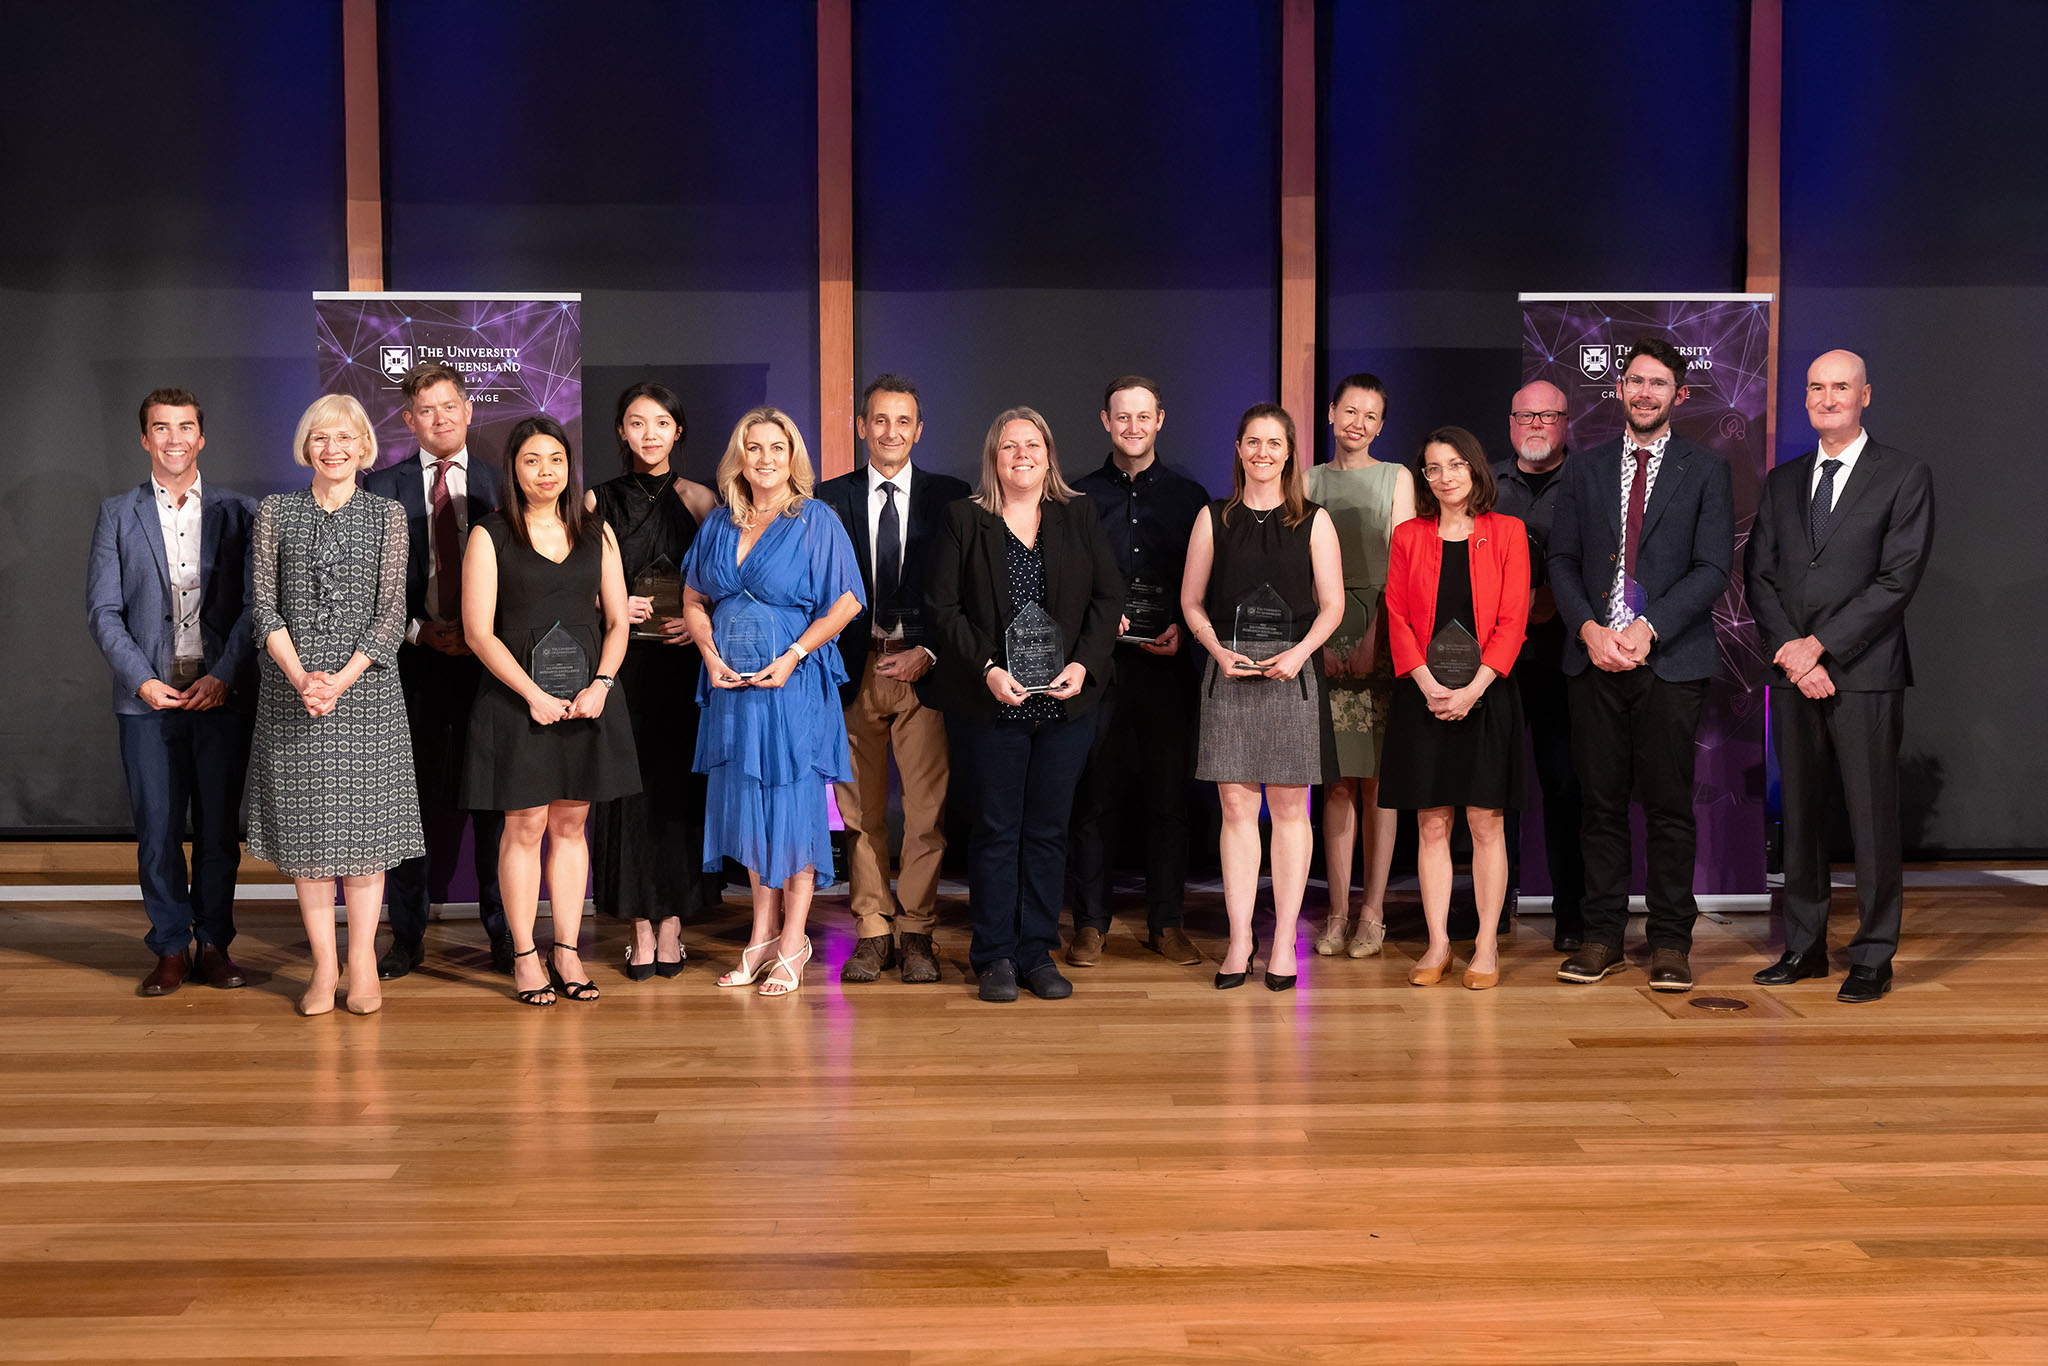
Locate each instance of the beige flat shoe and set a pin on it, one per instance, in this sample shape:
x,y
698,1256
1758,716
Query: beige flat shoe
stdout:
x,y
1371,935
1331,940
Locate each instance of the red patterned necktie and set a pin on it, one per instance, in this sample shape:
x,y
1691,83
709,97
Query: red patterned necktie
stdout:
x,y
1633,531
447,548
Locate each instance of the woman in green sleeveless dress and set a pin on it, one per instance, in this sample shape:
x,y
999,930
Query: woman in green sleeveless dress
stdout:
x,y
1367,499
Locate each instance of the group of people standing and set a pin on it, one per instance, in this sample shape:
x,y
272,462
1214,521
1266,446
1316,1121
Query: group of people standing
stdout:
x,y
651,677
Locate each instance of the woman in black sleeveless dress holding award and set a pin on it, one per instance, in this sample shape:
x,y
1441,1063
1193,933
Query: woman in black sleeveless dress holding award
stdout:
x,y
1264,588
1457,607
544,608
646,849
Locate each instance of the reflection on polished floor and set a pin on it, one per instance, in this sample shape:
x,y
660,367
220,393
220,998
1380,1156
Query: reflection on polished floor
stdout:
x,y
1153,1170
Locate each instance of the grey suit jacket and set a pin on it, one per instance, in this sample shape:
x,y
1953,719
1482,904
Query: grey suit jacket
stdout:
x,y
1850,591
128,593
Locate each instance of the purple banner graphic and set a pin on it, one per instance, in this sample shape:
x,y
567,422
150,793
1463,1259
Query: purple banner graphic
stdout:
x,y
518,355
1579,343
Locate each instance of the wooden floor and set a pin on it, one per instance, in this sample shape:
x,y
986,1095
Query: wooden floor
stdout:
x,y
1356,1171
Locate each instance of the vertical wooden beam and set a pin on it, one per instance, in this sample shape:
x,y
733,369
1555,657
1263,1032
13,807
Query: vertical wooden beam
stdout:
x,y
1764,269
361,144
1298,217
835,237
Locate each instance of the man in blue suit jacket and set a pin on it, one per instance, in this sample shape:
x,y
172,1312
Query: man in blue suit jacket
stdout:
x,y
444,493
1640,552
167,600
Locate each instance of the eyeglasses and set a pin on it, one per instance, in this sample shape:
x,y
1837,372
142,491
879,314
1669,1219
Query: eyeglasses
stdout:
x,y
1656,385
1549,417
1435,472
319,441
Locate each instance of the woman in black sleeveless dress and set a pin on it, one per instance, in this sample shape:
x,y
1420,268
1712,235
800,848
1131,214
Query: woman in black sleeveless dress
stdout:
x,y
1265,733
646,849
534,575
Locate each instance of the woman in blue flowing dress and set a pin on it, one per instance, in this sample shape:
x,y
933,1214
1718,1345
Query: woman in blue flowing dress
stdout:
x,y
768,585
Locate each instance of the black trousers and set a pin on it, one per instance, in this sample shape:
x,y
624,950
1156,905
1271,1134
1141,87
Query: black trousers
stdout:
x,y
1546,710
1020,781
180,765
1144,730
439,690
1859,733
1632,735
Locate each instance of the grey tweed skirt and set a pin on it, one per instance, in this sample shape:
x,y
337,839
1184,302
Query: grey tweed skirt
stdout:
x,y
1265,730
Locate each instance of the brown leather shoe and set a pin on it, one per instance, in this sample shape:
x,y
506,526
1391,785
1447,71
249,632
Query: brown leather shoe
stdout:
x,y
1591,963
214,968
920,961
1084,950
869,960
167,976
1171,942
1669,970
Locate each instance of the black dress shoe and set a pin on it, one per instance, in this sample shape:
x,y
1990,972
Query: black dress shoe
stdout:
x,y
1865,985
501,954
400,959
1047,984
213,967
1795,967
999,981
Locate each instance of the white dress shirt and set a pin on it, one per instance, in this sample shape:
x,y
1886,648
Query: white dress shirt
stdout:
x,y
1842,471
458,492
180,522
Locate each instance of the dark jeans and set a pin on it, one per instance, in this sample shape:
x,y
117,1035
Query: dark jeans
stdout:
x,y
1632,734
1859,733
1144,726
1546,709
439,690
180,765
1020,781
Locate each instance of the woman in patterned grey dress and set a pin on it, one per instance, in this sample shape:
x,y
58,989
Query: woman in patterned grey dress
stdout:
x,y
330,772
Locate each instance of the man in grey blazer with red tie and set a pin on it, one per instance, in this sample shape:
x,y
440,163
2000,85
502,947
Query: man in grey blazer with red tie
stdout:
x,y
1840,543
167,601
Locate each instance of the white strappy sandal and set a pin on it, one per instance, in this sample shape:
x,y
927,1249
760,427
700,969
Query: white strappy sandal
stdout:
x,y
776,985
743,975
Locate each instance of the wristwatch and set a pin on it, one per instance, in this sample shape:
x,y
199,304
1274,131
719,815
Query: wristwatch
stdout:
x,y
607,680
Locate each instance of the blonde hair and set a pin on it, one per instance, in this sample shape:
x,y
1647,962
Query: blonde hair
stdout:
x,y
327,409
989,493
734,490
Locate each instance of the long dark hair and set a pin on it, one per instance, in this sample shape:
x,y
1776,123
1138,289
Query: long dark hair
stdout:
x,y
568,503
1290,474
670,404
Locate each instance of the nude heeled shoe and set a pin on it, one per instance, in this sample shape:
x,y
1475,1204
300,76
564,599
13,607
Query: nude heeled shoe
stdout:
x,y
1475,980
1420,976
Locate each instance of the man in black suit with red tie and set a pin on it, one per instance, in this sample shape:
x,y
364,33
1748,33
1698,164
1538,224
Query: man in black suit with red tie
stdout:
x,y
1640,549
1841,539
444,493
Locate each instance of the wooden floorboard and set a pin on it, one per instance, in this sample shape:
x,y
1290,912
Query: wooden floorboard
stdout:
x,y
1151,1171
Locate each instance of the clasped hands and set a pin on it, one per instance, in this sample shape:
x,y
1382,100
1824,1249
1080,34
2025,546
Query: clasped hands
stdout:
x,y
586,705
1447,704
320,690
1282,666
1800,659
1011,693
1617,651
774,676
209,692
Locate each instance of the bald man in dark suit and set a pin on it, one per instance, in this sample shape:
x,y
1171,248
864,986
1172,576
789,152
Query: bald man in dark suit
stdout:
x,y
1841,540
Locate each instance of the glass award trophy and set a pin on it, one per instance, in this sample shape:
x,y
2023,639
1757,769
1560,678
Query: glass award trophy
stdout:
x,y
905,622
1453,655
744,631
1033,652
1150,610
662,583
1264,625
558,665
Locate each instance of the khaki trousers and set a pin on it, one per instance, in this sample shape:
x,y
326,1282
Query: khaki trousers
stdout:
x,y
887,714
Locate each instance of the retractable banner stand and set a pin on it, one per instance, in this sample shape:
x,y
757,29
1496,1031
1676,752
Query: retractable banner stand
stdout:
x,y
1579,342
518,354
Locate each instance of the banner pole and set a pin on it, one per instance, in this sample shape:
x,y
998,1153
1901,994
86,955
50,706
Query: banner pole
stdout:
x,y
1765,261
1298,220
361,146
835,237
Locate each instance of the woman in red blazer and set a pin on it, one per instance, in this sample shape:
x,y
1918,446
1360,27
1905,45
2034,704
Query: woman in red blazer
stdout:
x,y
1457,607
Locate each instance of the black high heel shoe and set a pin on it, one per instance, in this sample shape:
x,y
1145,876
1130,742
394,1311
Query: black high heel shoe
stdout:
x,y
639,972
672,969
575,991
542,995
1275,982
1226,981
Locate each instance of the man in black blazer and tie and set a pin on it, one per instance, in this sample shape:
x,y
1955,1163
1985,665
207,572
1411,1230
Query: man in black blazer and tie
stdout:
x,y
1841,540
444,492
1640,552
891,512
167,600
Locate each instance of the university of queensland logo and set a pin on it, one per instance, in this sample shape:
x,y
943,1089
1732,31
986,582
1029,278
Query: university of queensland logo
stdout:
x,y
1594,361
394,361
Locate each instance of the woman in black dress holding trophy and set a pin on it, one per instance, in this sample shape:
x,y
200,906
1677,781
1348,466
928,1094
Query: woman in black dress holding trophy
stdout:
x,y
1264,589
646,848
1457,607
1025,600
544,608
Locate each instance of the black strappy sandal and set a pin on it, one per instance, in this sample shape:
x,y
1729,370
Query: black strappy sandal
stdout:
x,y
575,991
543,995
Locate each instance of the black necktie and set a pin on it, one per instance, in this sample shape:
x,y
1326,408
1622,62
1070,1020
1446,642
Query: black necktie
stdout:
x,y
888,554
1823,501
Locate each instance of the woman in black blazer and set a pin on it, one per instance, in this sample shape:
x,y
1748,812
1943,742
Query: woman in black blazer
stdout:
x,y
1024,537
